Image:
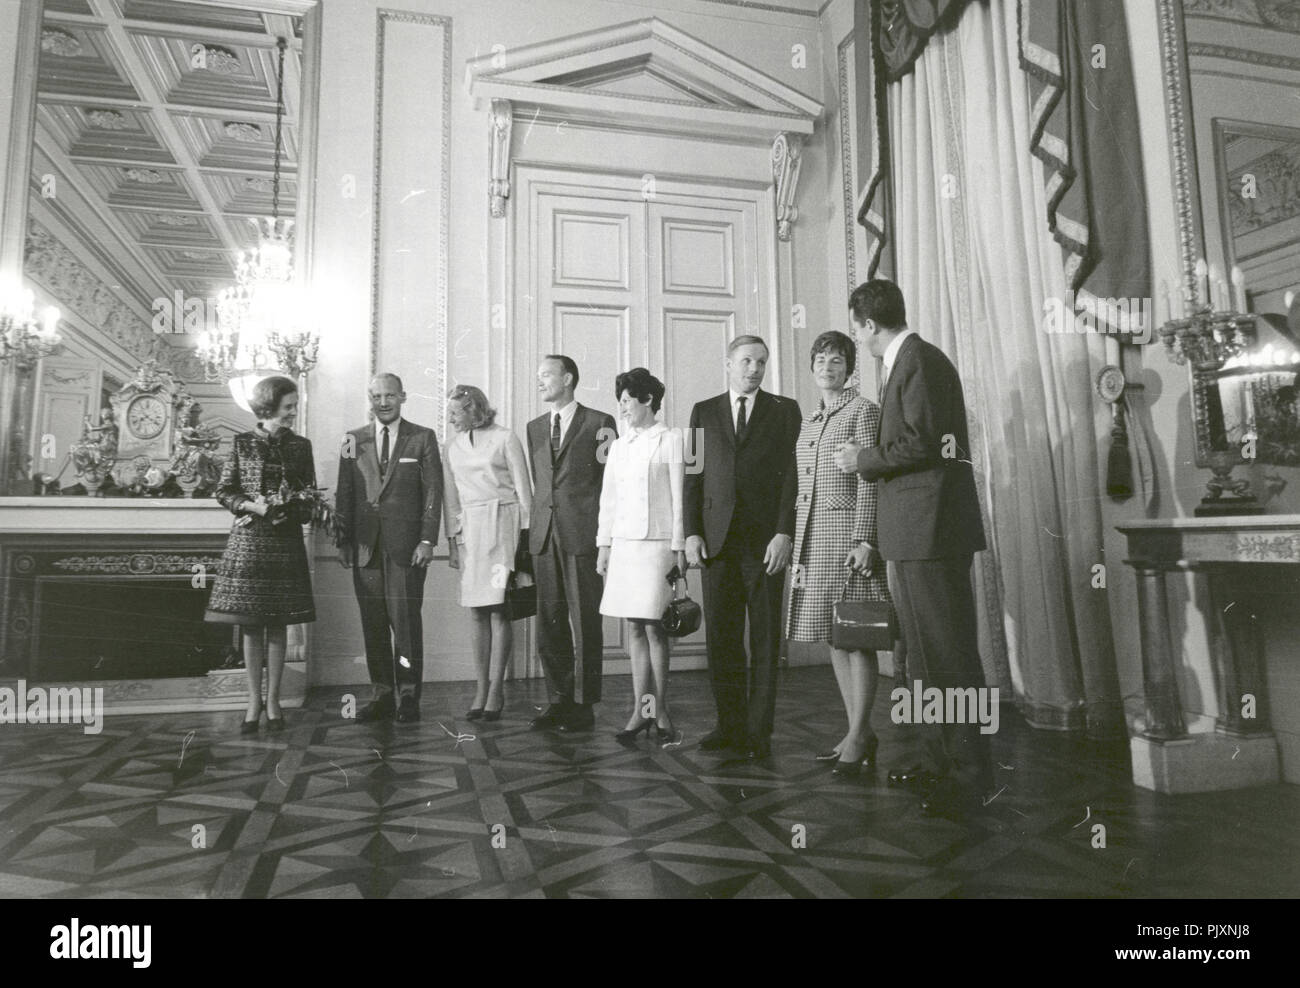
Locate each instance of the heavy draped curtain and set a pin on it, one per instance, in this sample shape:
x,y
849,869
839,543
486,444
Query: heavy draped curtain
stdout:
x,y
977,261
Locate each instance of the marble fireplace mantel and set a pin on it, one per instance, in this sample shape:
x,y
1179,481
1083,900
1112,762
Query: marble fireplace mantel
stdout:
x,y
45,541
95,515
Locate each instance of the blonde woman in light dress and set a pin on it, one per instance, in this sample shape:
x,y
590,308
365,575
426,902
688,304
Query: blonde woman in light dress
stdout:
x,y
488,499
640,536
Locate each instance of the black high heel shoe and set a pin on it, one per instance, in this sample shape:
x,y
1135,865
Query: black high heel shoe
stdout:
x,y
250,726
275,723
666,737
475,713
494,715
868,760
828,756
628,736
869,753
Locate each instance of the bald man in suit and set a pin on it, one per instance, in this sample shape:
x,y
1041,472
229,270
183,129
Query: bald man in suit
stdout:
x,y
389,504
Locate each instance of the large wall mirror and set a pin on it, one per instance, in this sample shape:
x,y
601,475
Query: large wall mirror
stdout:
x,y
151,147
1232,70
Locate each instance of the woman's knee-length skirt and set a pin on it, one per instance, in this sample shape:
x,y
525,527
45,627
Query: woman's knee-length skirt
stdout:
x,y
636,584
818,576
490,530
263,577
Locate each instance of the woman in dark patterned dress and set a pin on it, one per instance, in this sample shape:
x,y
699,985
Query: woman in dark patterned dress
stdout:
x,y
263,584
835,539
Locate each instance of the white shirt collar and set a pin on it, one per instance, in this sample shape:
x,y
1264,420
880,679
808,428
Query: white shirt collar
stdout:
x,y
566,413
749,399
393,426
891,351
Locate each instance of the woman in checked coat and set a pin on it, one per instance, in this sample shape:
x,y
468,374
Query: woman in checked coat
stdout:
x,y
835,539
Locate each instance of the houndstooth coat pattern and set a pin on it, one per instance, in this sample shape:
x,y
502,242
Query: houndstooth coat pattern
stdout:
x,y
833,512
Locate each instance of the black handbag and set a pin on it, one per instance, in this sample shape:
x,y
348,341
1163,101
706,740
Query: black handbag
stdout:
x,y
682,616
863,625
523,558
521,597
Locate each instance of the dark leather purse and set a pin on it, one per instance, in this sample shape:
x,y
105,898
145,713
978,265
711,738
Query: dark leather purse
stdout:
x,y
521,591
863,625
521,597
682,616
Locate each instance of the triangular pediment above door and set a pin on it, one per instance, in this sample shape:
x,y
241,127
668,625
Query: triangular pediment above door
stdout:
x,y
645,74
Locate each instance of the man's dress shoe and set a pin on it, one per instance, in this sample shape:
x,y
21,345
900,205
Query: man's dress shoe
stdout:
x,y
578,718
950,800
716,740
376,710
548,719
916,777
408,709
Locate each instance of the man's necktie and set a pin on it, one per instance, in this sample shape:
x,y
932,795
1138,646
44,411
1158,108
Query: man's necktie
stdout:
x,y
383,453
555,435
741,421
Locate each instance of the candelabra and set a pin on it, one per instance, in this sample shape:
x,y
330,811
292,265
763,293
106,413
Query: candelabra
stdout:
x,y
294,352
23,338
1217,336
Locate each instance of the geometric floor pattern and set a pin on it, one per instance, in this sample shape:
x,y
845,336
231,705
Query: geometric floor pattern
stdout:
x,y
181,806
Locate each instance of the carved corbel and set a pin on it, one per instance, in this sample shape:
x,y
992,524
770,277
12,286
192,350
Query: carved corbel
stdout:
x,y
787,158
502,117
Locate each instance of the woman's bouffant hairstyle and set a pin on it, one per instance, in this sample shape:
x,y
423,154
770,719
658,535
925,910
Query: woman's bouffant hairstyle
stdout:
x,y
474,401
833,341
640,384
267,395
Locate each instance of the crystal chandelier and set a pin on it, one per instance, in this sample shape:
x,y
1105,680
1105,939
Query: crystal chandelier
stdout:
x,y
25,339
258,317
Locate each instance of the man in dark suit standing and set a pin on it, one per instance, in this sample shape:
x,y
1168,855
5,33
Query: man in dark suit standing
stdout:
x,y
567,448
929,524
389,503
740,512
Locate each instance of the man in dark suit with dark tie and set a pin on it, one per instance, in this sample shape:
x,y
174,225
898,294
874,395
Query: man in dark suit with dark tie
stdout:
x,y
567,448
389,504
740,512
929,525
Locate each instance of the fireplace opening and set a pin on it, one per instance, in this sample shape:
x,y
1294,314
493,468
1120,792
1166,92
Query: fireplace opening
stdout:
x,y
125,628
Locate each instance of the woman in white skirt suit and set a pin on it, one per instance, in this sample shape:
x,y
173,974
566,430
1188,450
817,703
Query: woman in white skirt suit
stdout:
x,y
487,497
640,537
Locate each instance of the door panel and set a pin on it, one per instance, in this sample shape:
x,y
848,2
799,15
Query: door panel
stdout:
x,y
665,284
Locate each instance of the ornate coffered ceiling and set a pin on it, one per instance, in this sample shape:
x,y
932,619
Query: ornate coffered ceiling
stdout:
x,y
156,121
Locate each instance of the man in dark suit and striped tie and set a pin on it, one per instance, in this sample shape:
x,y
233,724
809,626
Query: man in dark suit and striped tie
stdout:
x,y
567,448
929,528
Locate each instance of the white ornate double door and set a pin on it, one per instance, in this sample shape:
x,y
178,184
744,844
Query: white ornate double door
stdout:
x,y
622,272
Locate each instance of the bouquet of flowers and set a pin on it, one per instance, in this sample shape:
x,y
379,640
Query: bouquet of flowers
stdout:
x,y
319,509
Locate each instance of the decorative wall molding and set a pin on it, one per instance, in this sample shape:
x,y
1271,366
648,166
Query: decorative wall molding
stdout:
x,y
787,161
843,55
501,118
1181,151
444,24
138,563
56,268
720,96
1198,49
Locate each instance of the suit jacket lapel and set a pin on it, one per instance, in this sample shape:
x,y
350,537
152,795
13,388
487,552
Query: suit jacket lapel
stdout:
x,y
403,433
368,462
576,424
729,426
757,412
